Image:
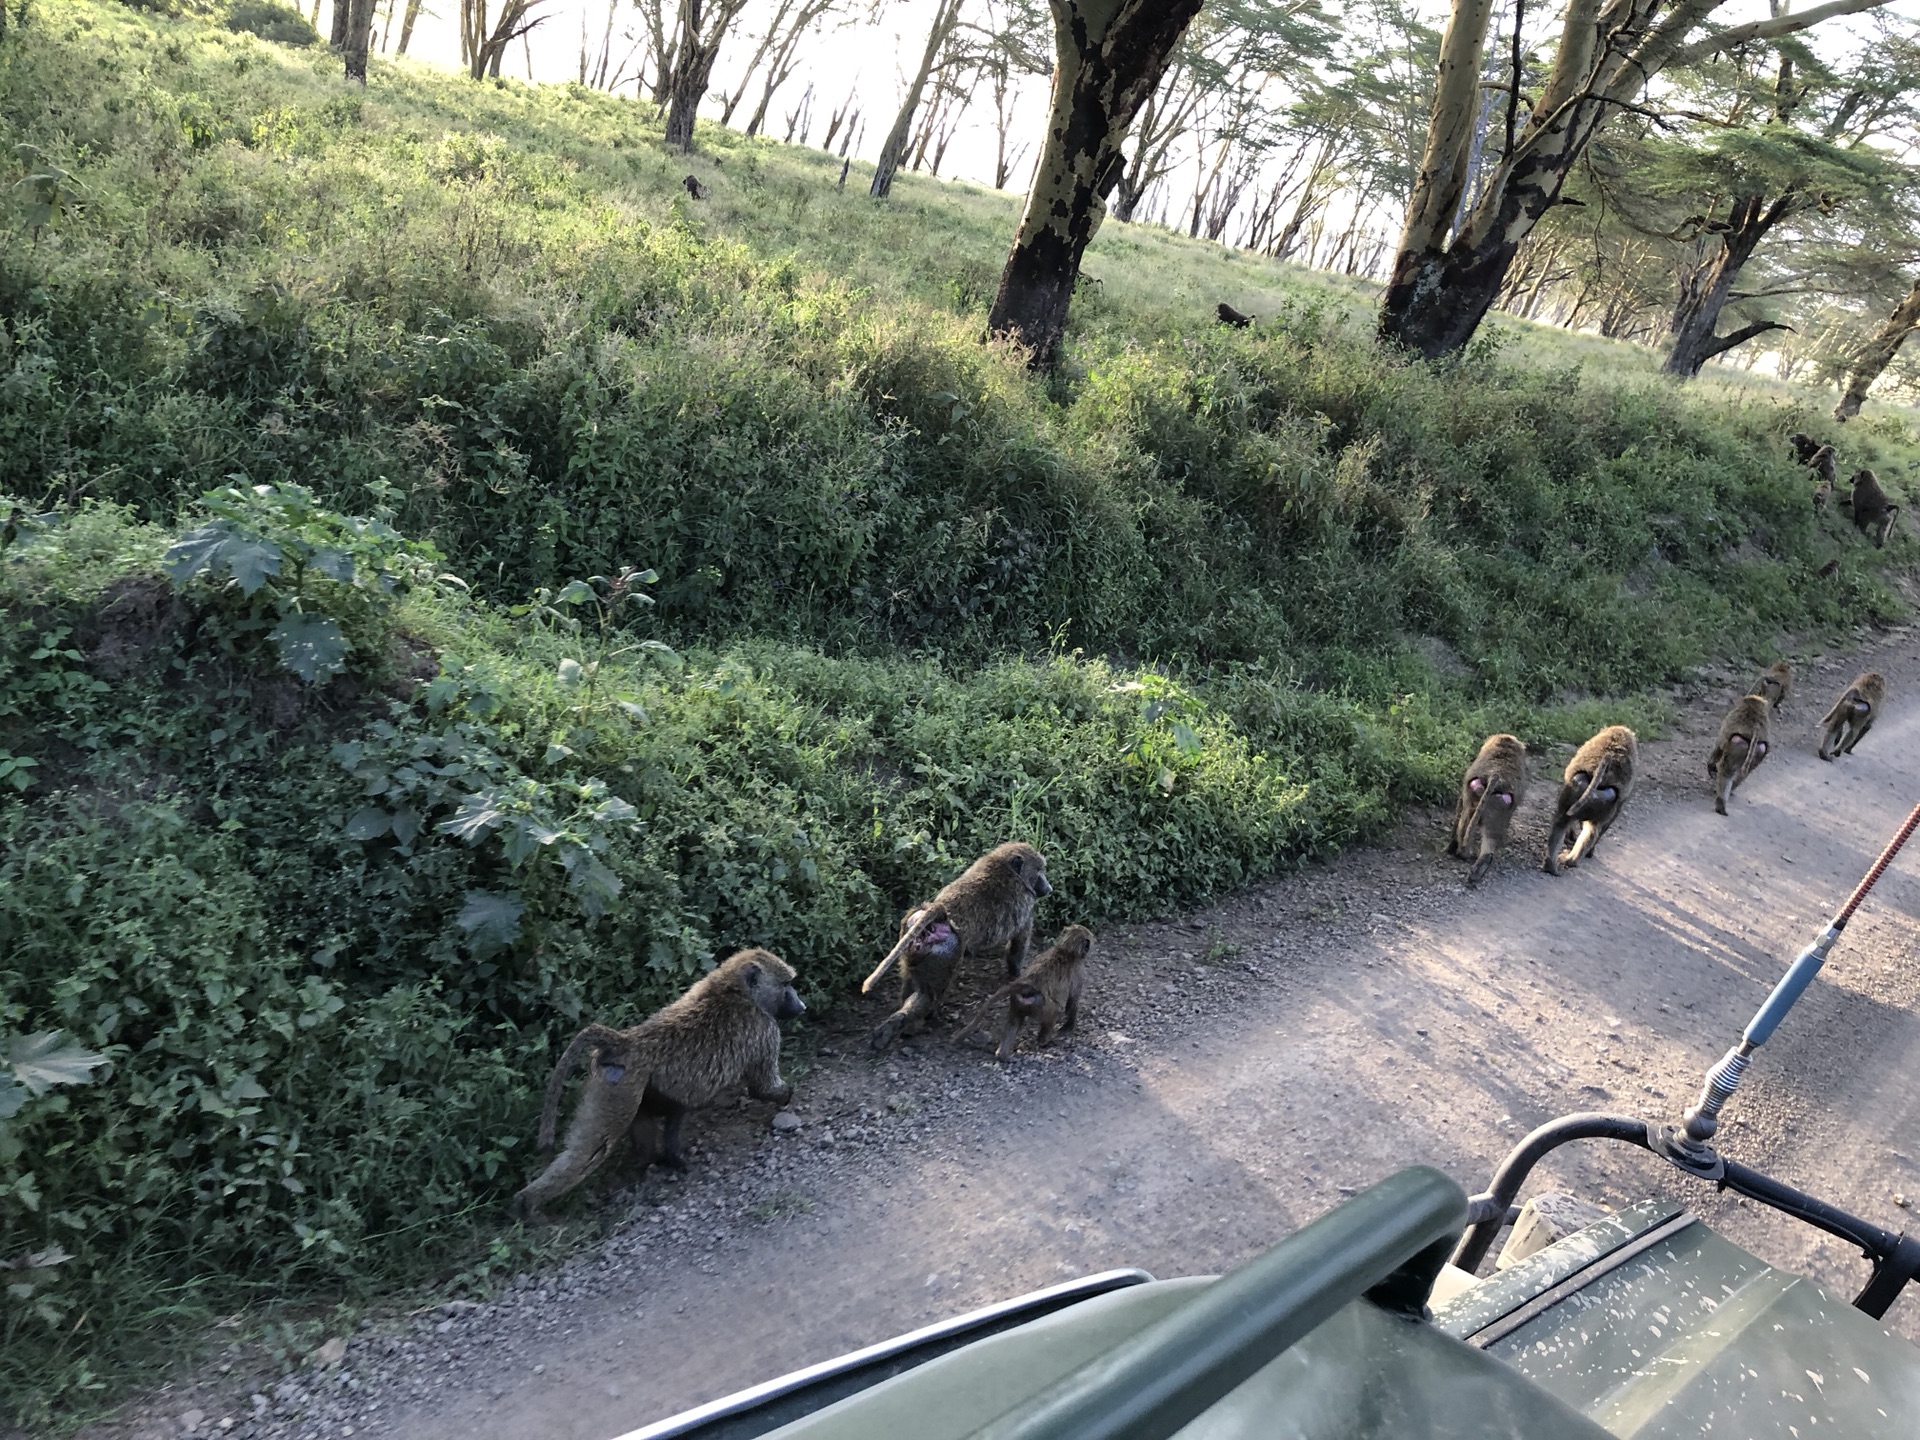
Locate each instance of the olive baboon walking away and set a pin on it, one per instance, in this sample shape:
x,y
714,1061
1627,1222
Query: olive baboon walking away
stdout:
x,y
1775,685
1741,748
694,188
1229,316
1595,788
1873,512
1494,785
1047,992
1853,714
724,1030
988,906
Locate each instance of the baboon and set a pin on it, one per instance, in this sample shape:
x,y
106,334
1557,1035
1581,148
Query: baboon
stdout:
x,y
988,906
725,1029
1230,316
1853,714
1826,472
1495,784
1741,747
1872,510
1829,570
1775,685
1805,447
1048,992
695,188
1592,793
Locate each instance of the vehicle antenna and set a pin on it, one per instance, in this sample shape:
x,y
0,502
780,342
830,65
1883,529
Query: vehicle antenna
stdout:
x,y
1700,1123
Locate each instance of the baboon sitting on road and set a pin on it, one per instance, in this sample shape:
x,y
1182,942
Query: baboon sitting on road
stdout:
x,y
1495,783
724,1030
1852,715
1047,992
988,906
1741,748
1592,793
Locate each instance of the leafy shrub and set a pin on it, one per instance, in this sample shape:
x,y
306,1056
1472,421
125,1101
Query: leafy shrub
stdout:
x,y
281,24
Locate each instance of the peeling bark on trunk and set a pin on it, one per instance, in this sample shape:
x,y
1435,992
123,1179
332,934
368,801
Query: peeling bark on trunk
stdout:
x,y
1703,294
1109,56
1878,353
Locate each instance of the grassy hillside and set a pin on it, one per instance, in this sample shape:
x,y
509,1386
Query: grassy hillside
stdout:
x,y
328,802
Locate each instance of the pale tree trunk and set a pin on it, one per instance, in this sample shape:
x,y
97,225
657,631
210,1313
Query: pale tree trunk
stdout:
x,y
359,35
785,61
411,15
945,19
1878,353
730,103
337,31
1109,55
1447,276
1704,292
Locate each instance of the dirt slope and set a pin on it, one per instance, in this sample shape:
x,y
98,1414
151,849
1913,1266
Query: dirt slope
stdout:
x,y
1238,1072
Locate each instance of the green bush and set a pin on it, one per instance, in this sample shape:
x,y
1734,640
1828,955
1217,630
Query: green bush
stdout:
x,y
281,24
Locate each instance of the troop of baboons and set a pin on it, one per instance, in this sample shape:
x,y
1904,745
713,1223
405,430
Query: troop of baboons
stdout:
x,y
1873,512
725,1029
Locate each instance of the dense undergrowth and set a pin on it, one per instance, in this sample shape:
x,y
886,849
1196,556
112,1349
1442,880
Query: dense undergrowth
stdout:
x,y
1202,606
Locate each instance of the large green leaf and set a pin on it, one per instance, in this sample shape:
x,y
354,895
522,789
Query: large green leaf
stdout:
x,y
43,1061
491,921
311,646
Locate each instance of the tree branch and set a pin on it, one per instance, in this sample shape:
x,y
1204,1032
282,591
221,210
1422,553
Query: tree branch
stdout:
x,y
1723,343
1771,29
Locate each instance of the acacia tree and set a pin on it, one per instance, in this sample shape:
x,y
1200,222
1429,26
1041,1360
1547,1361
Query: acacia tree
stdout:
x,y
359,38
1108,57
1456,246
946,24
696,47
1776,142
1871,361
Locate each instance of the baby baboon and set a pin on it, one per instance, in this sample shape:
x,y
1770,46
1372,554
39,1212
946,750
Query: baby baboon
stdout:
x,y
1495,783
1776,684
1592,793
695,188
725,1029
1852,715
1825,473
1872,510
1230,316
1048,992
988,906
1741,748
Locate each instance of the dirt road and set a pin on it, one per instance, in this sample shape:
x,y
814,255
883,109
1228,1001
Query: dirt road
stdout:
x,y
1239,1071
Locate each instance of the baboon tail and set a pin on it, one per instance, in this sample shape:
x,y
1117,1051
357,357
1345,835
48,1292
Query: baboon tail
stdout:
x,y
1838,705
1578,809
899,949
556,1082
986,1007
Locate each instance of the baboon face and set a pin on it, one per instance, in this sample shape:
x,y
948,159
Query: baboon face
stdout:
x,y
771,990
1075,941
1027,864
